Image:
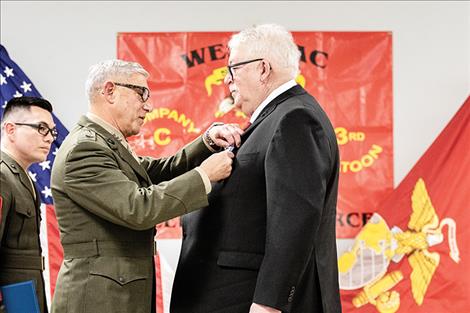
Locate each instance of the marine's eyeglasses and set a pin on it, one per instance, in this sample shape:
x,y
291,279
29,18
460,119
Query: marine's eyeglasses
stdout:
x,y
42,128
142,91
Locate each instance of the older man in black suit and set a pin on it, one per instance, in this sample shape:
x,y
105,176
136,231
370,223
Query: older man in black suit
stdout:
x,y
266,243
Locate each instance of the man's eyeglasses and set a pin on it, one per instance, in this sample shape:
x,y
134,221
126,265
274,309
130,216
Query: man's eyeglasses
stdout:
x,y
237,65
142,91
42,128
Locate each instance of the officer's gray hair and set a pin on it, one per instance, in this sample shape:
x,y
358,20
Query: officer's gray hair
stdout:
x,y
109,69
271,42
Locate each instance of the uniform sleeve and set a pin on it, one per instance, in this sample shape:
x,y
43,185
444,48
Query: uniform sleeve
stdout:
x,y
297,166
187,158
93,180
5,203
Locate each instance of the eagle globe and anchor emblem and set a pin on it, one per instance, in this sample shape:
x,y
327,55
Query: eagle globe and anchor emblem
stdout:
x,y
365,264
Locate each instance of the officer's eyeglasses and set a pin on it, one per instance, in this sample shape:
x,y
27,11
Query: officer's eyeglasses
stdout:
x,y
142,91
238,65
42,128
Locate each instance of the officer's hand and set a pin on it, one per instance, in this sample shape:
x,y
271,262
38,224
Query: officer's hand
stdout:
x,y
226,135
218,166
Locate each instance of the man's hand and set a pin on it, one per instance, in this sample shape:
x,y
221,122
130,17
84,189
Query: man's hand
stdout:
x,y
258,308
218,166
226,135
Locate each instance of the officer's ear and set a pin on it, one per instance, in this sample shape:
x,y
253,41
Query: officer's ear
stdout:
x,y
109,91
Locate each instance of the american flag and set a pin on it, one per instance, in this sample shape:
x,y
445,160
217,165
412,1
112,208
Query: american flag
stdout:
x,y
15,83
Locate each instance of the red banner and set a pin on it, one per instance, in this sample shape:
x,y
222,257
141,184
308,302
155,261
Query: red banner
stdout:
x,y
414,255
350,74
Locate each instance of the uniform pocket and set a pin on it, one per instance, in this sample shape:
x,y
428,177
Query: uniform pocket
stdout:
x,y
22,226
120,270
119,284
25,208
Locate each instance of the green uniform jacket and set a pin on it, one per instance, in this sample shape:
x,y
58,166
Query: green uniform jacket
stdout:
x,y
20,247
107,205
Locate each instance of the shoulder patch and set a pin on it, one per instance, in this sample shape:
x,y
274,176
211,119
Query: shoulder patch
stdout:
x,y
86,134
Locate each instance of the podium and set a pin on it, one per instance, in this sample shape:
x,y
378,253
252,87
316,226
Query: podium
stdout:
x,y
20,297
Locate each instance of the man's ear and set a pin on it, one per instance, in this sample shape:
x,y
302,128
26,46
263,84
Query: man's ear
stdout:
x,y
108,91
9,128
265,70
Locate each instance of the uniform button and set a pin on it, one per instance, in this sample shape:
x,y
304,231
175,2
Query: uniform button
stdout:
x,y
13,165
110,141
290,299
121,279
29,212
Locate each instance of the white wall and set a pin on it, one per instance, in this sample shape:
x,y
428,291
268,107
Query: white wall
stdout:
x,y
56,42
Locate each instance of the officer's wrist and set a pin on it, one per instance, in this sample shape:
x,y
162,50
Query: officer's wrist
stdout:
x,y
206,138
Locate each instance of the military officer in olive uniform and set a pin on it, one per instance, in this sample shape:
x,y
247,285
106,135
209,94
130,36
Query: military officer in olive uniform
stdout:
x,y
108,200
28,131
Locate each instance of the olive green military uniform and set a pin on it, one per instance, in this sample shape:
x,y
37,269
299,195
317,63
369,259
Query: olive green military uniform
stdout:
x,y
107,204
20,247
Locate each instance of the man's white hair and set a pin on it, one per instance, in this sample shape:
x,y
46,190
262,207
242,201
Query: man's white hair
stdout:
x,y
271,42
107,70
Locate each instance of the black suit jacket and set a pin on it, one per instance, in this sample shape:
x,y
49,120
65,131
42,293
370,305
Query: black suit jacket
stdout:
x,y
268,234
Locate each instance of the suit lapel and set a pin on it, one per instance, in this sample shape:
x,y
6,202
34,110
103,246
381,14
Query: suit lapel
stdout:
x,y
114,144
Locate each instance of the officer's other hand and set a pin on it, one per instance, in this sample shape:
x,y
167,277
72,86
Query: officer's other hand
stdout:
x,y
218,166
